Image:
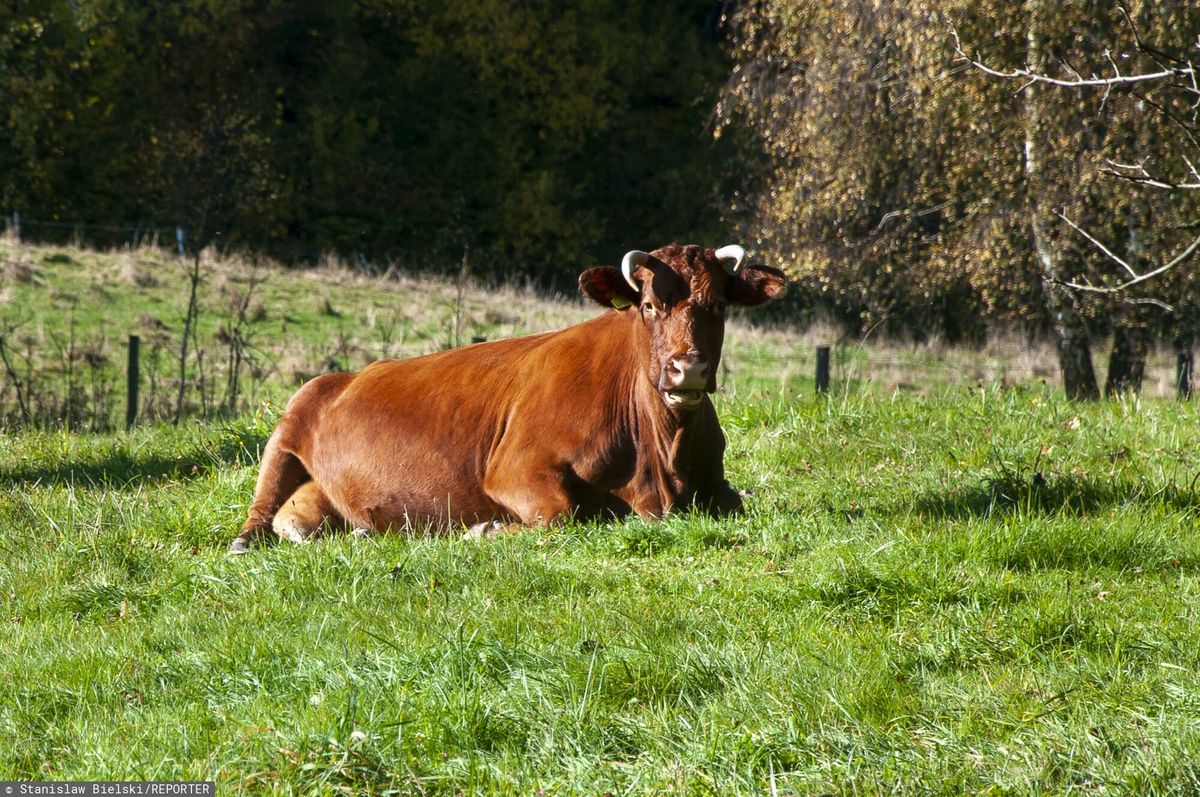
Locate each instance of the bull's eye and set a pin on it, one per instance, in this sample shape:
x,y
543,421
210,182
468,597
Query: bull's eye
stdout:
x,y
648,308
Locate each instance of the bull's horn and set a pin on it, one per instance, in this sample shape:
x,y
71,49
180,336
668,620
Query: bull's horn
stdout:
x,y
634,257
732,252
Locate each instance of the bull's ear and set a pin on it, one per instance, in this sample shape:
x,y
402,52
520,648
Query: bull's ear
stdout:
x,y
606,285
755,285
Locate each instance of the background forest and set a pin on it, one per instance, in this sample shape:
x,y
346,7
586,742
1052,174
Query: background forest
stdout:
x,y
853,143
538,134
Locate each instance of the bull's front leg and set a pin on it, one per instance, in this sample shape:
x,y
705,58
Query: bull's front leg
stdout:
x,y
280,474
536,495
717,502
722,501
715,495
713,492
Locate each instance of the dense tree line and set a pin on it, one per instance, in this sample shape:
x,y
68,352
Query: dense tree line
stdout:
x,y
538,135
905,186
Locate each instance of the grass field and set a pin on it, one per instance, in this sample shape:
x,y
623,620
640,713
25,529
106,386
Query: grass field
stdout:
x,y
970,592
967,589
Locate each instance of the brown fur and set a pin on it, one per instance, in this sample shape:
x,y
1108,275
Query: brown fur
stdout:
x,y
526,430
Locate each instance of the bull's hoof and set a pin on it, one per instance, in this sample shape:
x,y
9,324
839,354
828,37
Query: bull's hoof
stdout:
x,y
249,538
483,531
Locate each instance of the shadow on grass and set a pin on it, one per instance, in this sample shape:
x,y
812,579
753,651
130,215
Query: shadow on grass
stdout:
x,y
118,463
1040,494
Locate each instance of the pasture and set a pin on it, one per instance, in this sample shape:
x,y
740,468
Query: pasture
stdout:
x,y
959,589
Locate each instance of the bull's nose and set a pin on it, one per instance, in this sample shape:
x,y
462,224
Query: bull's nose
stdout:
x,y
688,372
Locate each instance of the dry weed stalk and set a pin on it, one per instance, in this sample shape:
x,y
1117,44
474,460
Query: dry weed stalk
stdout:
x,y
189,322
237,333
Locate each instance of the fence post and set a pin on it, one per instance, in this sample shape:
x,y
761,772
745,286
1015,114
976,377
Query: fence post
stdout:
x,y
179,240
1183,374
131,381
822,369
17,225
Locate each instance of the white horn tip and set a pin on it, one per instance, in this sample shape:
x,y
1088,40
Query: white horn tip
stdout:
x,y
634,257
732,252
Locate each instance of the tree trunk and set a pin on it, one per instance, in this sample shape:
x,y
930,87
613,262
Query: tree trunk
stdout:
x,y
1074,353
1185,341
1131,333
1127,361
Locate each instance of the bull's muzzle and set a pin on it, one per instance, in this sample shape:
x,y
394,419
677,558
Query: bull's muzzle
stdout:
x,y
686,378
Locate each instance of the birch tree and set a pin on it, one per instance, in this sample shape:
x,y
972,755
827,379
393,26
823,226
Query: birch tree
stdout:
x,y
1151,99
901,184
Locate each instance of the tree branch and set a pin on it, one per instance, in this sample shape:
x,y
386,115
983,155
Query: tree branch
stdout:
x,y
1186,73
1135,278
1128,268
1136,173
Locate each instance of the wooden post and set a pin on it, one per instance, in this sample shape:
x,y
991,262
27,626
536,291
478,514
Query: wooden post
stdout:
x,y
131,381
17,225
822,369
1183,374
179,240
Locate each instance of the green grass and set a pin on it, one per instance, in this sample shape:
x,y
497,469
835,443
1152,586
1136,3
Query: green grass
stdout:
x,y
935,589
976,591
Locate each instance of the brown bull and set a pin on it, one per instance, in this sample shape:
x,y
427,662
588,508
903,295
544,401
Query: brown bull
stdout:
x,y
600,419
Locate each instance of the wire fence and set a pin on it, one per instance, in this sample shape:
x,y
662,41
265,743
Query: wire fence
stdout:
x,y
103,379
109,384
101,383
1167,374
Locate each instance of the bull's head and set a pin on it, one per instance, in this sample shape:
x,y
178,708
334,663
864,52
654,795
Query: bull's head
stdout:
x,y
679,295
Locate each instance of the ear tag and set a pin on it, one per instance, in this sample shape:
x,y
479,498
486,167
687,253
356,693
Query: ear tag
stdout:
x,y
620,303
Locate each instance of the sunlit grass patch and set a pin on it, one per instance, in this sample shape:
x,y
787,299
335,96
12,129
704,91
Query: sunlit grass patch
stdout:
x,y
971,592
